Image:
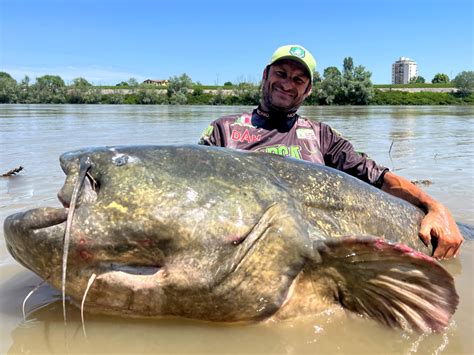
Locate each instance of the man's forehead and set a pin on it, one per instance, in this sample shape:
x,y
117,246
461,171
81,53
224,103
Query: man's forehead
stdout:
x,y
294,64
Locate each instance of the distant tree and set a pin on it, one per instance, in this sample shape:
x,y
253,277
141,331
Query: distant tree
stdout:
x,y
24,90
8,88
351,87
228,83
218,98
81,83
313,98
317,78
75,96
246,94
6,76
49,89
132,82
82,92
331,71
440,78
357,88
464,81
122,83
178,88
92,96
50,82
417,80
198,89
329,89
113,99
178,98
348,68
150,97
25,81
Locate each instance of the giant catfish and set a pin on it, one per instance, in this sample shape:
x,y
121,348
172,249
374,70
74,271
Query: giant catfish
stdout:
x,y
229,236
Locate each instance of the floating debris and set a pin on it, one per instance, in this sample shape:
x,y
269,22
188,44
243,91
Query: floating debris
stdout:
x,y
422,182
13,171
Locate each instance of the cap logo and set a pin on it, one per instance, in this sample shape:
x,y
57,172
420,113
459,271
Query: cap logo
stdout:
x,y
297,52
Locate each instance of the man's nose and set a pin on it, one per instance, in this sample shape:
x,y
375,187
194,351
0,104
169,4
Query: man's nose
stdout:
x,y
287,84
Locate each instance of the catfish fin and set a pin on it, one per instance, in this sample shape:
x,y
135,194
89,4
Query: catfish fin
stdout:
x,y
390,283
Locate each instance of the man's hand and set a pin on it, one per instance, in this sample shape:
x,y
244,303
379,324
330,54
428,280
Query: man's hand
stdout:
x,y
438,223
438,226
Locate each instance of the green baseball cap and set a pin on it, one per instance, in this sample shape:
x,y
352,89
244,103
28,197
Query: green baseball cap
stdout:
x,y
298,53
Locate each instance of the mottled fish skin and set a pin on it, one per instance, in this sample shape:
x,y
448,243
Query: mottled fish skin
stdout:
x,y
210,233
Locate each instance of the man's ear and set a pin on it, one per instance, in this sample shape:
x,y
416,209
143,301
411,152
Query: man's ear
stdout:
x,y
309,90
265,73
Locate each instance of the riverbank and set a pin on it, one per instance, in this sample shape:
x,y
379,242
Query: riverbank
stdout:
x,y
251,96
227,91
235,95
351,89
416,89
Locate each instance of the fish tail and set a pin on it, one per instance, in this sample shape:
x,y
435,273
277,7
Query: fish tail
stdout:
x,y
391,283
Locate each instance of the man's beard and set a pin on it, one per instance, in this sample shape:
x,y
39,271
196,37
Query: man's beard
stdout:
x,y
276,110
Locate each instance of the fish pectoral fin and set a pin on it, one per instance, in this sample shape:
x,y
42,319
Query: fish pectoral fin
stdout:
x,y
390,283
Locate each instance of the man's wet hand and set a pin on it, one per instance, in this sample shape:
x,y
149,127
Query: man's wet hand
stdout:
x,y
438,223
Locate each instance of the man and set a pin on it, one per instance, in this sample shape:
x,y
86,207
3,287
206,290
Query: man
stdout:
x,y
275,127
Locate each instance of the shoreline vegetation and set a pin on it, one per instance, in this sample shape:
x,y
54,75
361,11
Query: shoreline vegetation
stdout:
x,y
351,86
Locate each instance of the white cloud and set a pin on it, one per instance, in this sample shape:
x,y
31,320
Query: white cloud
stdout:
x,y
94,74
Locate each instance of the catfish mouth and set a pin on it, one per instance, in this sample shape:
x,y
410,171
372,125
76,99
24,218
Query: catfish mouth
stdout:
x,y
45,217
31,235
22,223
35,239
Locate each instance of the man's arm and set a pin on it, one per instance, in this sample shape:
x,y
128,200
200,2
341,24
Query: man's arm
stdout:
x,y
438,222
218,132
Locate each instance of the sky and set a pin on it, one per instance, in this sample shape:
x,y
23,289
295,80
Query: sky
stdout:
x,y
108,41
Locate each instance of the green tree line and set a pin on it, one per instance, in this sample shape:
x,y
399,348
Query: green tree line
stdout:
x,y
351,86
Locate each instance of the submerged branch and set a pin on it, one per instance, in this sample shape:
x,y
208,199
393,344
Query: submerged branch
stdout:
x,y
422,182
13,171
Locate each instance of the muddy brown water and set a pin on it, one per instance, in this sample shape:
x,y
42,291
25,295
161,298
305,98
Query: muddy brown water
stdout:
x,y
420,143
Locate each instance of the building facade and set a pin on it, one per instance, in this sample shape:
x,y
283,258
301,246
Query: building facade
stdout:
x,y
403,70
156,82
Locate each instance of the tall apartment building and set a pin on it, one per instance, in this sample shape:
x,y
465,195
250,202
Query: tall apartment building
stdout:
x,y
403,70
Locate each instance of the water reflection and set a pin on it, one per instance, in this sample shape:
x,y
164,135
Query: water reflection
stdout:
x,y
45,332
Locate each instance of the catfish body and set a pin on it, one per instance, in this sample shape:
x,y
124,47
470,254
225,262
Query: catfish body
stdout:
x,y
223,235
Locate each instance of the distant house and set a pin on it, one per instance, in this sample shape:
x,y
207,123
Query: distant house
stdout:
x,y
156,82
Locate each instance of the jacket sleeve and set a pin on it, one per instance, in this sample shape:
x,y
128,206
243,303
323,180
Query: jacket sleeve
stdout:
x,y
340,154
211,136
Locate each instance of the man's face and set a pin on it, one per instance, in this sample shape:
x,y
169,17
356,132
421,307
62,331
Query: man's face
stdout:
x,y
285,86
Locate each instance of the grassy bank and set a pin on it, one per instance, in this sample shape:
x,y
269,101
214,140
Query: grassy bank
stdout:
x,y
216,97
420,98
413,86
230,87
244,94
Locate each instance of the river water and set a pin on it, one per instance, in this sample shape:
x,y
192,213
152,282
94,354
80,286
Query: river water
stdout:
x,y
429,143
